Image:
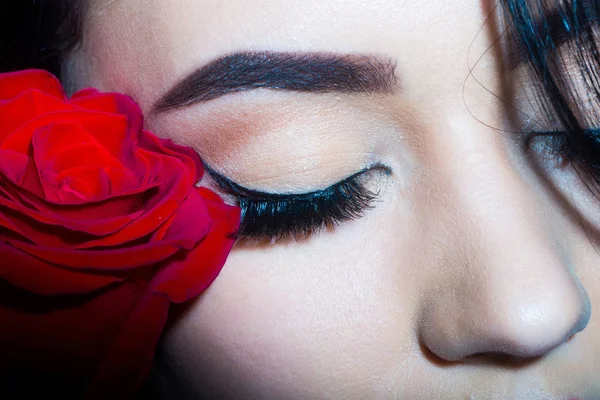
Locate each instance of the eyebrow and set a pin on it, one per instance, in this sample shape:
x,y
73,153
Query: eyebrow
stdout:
x,y
297,72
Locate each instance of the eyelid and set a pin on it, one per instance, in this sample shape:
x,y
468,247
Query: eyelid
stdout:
x,y
277,216
241,191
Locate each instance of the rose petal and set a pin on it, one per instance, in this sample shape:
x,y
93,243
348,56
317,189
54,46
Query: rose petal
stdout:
x,y
60,236
189,226
69,144
18,229
119,103
116,103
89,91
107,260
184,279
14,83
59,162
85,182
36,276
186,223
48,235
160,233
5,222
26,107
66,334
116,133
97,227
20,139
192,220
77,217
129,359
158,209
13,165
124,143
30,181
188,156
116,207
109,182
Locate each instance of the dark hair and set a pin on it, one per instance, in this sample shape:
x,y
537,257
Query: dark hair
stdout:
x,y
39,33
560,42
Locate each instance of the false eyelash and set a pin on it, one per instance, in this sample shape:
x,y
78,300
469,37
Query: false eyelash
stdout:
x,y
279,216
554,144
581,148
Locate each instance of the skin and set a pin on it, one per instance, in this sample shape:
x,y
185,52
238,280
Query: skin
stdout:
x,y
474,275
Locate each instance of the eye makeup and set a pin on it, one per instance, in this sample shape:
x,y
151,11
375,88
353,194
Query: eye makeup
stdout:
x,y
581,148
275,216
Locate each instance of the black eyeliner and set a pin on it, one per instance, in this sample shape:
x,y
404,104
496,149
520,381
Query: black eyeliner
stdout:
x,y
277,216
237,189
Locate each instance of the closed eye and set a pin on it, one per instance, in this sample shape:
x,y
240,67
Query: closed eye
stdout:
x,y
279,216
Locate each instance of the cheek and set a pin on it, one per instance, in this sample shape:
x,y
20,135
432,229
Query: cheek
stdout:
x,y
320,314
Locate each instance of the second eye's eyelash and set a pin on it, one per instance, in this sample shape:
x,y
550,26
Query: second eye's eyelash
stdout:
x,y
278,216
582,148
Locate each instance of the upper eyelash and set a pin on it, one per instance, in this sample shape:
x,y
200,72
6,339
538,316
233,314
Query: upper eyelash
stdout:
x,y
556,143
277,216
581,149
560,143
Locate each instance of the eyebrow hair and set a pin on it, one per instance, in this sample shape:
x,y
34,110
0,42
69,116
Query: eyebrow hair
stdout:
x,y
298,72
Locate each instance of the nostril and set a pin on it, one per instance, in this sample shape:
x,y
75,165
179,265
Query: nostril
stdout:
x,y
499,358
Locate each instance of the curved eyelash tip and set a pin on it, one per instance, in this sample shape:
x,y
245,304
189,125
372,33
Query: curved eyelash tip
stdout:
x,y
278,217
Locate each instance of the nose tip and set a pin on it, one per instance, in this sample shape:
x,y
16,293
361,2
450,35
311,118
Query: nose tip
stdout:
x,y
535,325
525,325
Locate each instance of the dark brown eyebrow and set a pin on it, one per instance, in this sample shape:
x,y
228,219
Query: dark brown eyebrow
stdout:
x,y
299,72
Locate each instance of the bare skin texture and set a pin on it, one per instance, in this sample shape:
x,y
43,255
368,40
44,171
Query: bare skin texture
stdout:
x,y
475,274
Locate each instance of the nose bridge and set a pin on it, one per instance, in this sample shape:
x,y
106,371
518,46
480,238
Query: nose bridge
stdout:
x,y
499,206
492,198
510,289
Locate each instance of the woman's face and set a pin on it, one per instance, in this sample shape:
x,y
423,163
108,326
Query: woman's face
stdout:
x,y
474,272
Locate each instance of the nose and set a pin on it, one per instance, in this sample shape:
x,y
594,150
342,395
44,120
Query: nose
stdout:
x,y
504,284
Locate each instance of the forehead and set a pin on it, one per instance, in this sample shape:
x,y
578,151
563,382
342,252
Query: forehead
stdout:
x,y
142,47
296,22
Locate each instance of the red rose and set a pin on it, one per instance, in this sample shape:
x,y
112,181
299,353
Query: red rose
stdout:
x,y
101,228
